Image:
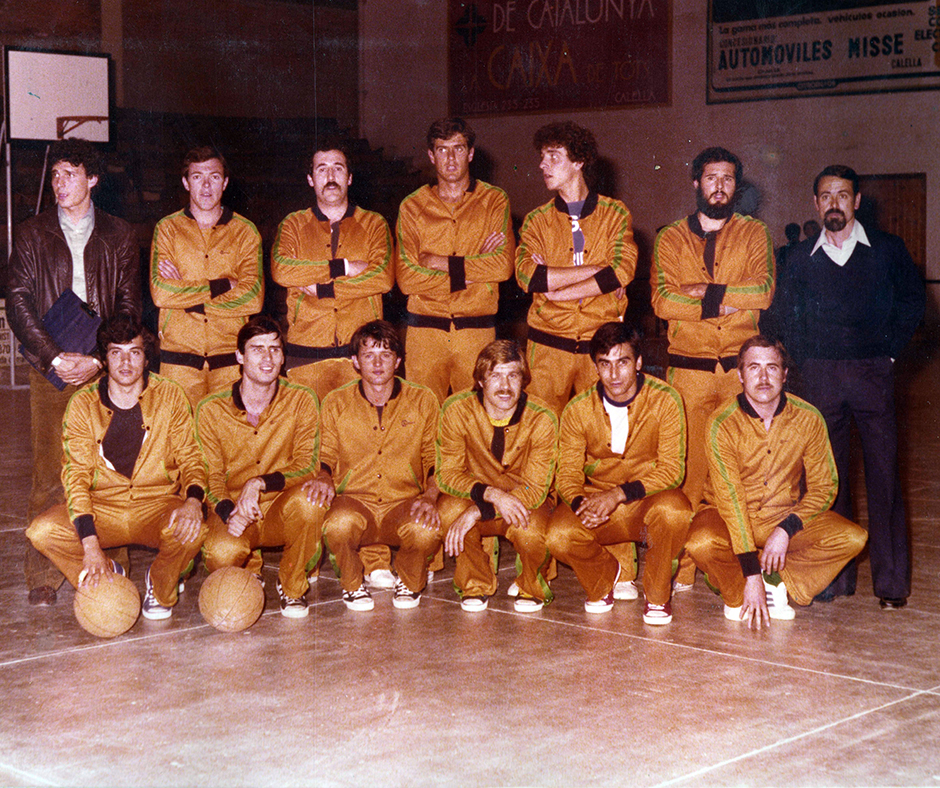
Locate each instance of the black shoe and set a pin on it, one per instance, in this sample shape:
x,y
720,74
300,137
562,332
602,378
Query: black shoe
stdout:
x,y
826,595
44,596
892,603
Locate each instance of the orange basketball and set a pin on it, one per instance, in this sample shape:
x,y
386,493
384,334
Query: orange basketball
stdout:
x,y
110,608
231,599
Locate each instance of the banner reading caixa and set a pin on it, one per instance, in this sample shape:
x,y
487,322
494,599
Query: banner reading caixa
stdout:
x,y
517,56
760,49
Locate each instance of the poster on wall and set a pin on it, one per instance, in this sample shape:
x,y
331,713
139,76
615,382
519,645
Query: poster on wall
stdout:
x,y
517,56
762,49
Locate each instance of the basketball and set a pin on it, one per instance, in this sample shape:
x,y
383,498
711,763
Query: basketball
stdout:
x,y
109,609
231,599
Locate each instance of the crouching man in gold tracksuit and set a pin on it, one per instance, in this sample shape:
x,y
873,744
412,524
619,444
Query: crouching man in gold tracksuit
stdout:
x,y
760,538
496,460
621,459
377,470
132,473
260,438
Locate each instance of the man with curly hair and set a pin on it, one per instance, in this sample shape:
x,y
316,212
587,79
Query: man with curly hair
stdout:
x,y
576,256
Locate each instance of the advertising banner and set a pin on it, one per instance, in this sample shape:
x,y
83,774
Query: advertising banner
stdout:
x,y
518,56
760,49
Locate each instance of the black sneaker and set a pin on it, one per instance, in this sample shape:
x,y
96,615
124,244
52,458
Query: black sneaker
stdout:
x,y
360,599
150,607
292,607
404,597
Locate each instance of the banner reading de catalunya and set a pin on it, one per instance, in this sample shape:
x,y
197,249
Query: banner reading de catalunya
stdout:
x,y
787,48
516,56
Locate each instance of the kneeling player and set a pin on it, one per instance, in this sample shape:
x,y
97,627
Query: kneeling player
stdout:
x,y
377,452
496,460
133,473
260,438
621,460
767,531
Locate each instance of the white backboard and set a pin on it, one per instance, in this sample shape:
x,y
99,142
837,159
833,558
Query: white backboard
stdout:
x,y
51,96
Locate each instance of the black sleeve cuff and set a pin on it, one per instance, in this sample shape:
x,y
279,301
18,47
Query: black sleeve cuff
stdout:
x,y
337,267
326,290
576,503
487,510
195,491
197,309
633,490
791,524
749,563
224,509
457,270
273,482
711,301
326,468
219,287
607,280
539,281
85,526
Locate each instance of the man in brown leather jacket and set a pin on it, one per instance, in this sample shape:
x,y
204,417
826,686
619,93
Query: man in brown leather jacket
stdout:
x,y
42,266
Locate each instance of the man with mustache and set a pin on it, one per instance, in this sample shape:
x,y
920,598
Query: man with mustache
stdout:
x,y
206,278
335,259
261,438
496,460
766,533
713,272
850,301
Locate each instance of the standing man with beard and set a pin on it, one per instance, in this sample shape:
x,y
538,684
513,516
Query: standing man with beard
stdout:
x,y
713,273
850,301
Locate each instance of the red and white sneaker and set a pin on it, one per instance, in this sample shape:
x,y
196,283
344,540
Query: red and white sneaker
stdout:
x,y
657,615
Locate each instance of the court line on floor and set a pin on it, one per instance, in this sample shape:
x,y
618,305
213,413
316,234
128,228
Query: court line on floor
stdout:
x,y
32,779
791,739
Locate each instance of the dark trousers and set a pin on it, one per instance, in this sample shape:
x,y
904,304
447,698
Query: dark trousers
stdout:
x,y
863,390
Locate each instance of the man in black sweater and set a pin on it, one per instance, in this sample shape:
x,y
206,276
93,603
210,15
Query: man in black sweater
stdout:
x,y
850,300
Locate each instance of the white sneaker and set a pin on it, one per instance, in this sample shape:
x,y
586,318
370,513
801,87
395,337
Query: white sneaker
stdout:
x,y
733,613
381,578
678,588
777,604
604,605
513,590
626,590
474,604
528,604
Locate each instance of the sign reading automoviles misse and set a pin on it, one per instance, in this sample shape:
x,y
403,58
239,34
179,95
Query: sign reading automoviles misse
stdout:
x,y
516,56
839,46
